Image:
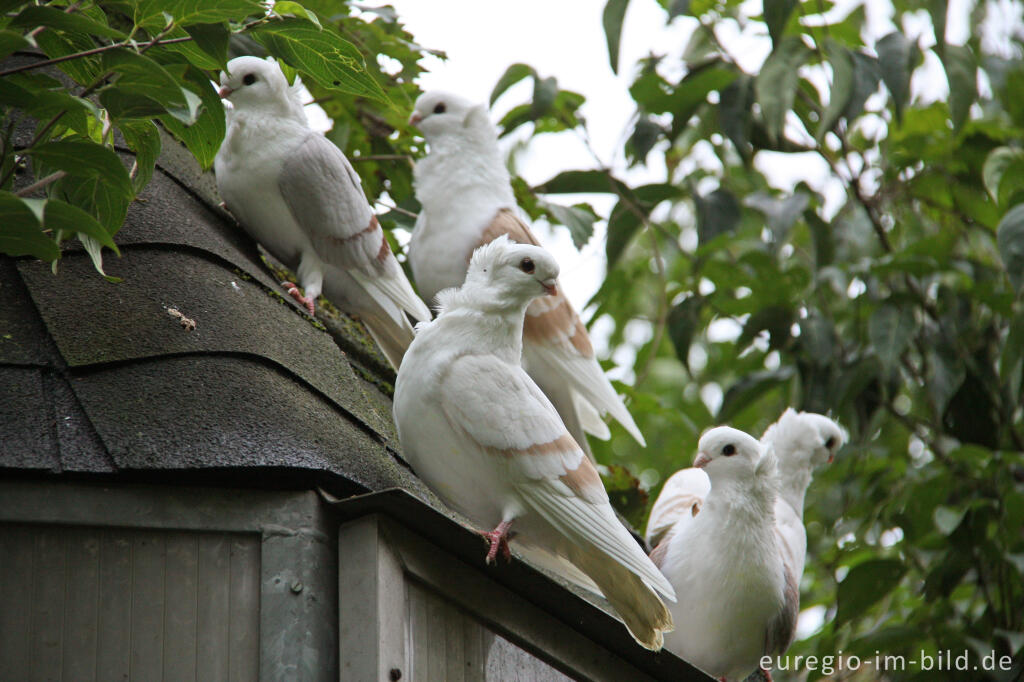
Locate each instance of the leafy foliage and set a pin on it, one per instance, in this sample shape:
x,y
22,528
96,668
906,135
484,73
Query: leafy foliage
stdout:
x,y
130,63
888,294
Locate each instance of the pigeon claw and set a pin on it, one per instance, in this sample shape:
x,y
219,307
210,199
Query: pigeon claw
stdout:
x,y
498,541
294,292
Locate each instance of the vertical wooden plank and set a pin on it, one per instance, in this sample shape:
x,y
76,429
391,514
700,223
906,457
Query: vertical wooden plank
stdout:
x,y
48,604
477,641
17,549
214,603
435,635
147,624
244,633
373,610
180,612
455,659
81,611
113,621
419,656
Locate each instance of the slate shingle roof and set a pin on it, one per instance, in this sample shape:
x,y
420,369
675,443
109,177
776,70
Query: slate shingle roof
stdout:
x,y
99,378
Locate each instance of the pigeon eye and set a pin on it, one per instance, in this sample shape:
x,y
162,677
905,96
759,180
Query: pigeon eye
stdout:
x,y
440,108
526,265
249,79
729,450
830,443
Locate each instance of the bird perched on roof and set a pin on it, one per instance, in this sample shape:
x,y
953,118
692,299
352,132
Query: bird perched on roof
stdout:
x,y
466,197
478,430
296,194
802,441
737,600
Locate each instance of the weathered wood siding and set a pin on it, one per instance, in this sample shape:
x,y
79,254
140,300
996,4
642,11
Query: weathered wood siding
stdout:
x,y
106,604
448,644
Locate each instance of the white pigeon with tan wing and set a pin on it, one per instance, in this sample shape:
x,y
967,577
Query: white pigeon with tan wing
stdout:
x,y
737,600
466,197
296,194
478,430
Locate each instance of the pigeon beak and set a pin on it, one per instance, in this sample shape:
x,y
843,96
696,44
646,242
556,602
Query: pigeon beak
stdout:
x,y
225,92
415,118
701,460
550,286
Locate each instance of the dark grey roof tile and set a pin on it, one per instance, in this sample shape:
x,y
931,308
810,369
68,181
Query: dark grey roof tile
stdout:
x,y
95,322
26,420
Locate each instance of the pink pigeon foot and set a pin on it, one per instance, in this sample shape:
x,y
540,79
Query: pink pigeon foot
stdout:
x,y
767,674
294,292
498,539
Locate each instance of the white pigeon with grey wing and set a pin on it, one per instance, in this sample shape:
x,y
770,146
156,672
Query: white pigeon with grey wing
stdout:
x,y
479,431
296,194
737,600
467,200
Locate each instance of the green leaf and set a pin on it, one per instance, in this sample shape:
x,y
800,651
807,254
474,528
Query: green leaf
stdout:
x,y
11,42
645,135
948,519
692,92
734,112
142,85
86,160
56,44
544,92
289,8
22,233
582,181
512,75
1003,173
776,15
1010,238
208,48
95,251
150,13
61,217
890,329
107,203
867,73
203,138
1013,352
717,213
579,218
143,138
864,585
938,9
776,84
58,20
612,18
963,83
329,59
775,319
897,57
748,389
683,320
623,223
841,89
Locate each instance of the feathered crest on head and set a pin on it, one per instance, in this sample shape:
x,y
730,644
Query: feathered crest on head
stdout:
x,y
485,256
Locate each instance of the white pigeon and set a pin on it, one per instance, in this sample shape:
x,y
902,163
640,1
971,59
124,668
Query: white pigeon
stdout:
x,y
296,194
466,197
737,600
802,441
478,430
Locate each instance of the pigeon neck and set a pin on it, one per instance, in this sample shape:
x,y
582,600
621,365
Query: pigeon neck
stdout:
x,y
468,161
748,498
793,484
498,329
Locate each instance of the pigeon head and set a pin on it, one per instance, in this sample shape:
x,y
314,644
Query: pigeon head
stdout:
x,y
807,439
440,113
724,450
829,437
251,82
505,271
